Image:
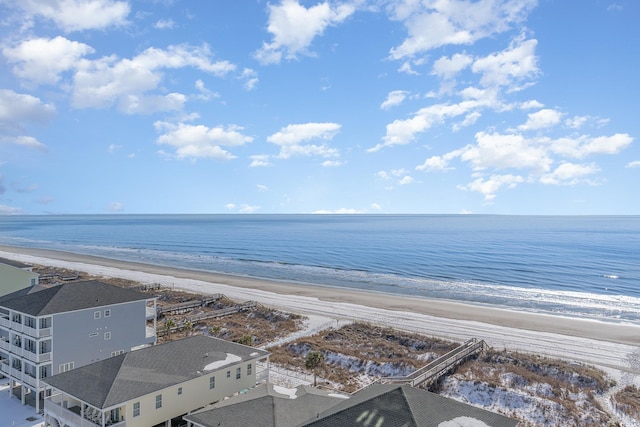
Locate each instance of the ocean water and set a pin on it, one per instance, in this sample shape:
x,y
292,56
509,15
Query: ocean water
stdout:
x,y
586,266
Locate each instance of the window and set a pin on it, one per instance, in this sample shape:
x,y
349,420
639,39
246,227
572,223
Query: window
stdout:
x,y
17,318
93,334
249,369
45,323
107,313
44,371
158,401
33,282
179,390
96,314
107,335
228,374
64,367
212,383
29,322
136,409
238,373
115,353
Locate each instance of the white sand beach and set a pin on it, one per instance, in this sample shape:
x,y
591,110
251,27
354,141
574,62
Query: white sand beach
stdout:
x,y
609,345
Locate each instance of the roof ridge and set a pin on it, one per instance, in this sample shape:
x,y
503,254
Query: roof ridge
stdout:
x,y
115,377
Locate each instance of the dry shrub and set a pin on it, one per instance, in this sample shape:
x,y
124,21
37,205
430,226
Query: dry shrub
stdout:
x,y
627,401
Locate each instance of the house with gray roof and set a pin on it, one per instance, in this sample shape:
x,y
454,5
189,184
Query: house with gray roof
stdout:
x,y
389,405
153,386
15,275
266,406
48,330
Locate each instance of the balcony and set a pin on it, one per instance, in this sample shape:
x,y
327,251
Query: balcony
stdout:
x,y
72,416
37,358
151,313
4,344
5,322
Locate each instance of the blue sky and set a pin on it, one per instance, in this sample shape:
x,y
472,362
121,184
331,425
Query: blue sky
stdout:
x,y
415,106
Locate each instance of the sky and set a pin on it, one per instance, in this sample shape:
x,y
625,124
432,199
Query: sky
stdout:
x,y
289,106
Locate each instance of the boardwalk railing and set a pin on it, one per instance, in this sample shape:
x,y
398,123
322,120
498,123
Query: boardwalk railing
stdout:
x,y
436,368
188,305
193,320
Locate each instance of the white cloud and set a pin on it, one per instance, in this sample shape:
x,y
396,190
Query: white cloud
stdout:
x,y
245,208
633,164
341,211
576,122
331,163
569,174
115,207
406,180
250,78
394,98
23,141
400,132
42,60
199,141
498,151
431,24
262,188
112,148
127,82
531,104
16,112
510,68
541,119
447,68
433,164
78,15
258,160
490,187
17,109
164,24
290,140
376,206
10,210
230,206
582,146
293,28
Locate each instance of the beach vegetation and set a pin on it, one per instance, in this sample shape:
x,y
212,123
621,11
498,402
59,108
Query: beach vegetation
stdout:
x,y
312,362
627,401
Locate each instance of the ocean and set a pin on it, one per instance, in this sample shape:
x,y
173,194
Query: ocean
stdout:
x,y
582,266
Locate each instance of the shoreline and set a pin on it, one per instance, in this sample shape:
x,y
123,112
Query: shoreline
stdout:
x,y
332,297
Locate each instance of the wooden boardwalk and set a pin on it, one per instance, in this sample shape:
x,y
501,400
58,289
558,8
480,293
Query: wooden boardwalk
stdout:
x,y
183,307
435,369
195,319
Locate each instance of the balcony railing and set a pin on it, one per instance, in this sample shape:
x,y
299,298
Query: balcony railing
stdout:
x,y
69,417
5,344
37,358
5,322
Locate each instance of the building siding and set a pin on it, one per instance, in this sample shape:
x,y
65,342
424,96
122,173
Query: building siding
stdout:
x,y
79,336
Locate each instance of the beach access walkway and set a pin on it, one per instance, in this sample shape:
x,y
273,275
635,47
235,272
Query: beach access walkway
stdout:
x,y
435,369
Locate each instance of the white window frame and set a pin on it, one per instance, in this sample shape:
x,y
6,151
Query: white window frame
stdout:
x,y
96,314
136,409
158,401
107,313
249,369
107,335
212,383
238,373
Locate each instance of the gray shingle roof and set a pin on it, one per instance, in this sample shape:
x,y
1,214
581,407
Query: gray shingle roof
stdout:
x,y
116,380
41,301
391,405
264,406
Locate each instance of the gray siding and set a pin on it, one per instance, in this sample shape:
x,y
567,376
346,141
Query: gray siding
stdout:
x,y
73,340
